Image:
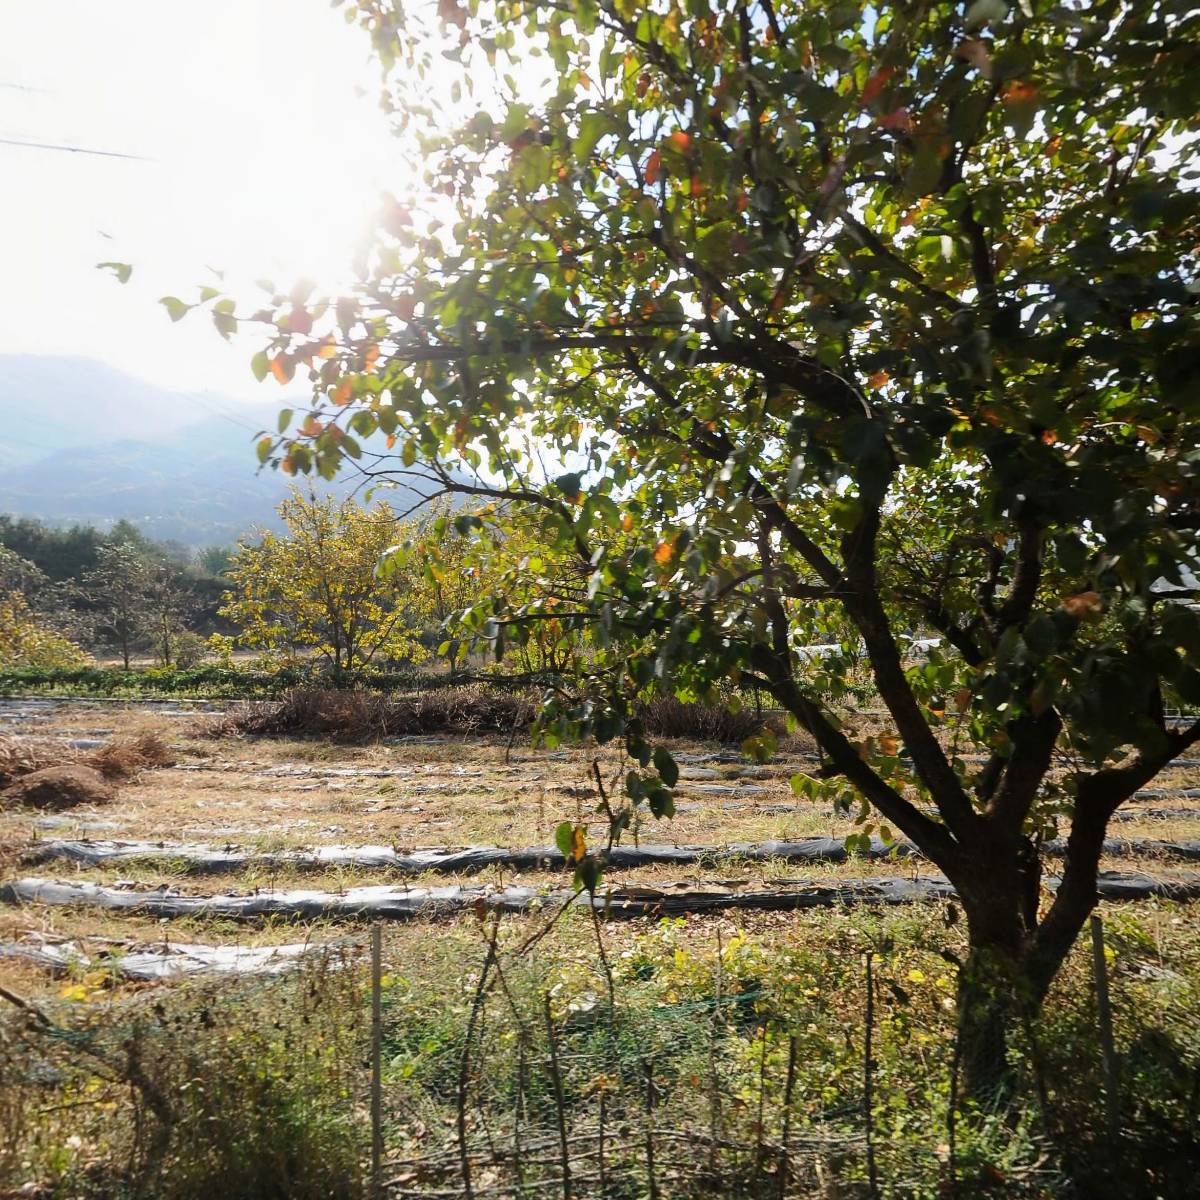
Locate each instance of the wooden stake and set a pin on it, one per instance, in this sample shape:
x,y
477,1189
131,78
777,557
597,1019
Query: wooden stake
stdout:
x,y
785,1158
559,1101
1112,1096
868,1090
377,1062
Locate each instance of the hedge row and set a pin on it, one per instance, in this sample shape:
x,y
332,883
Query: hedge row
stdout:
x,y
217,682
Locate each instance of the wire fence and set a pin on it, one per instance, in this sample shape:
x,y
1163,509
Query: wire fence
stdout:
x,y
487,1066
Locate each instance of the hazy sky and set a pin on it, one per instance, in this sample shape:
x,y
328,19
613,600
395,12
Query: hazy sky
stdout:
x,y
265,154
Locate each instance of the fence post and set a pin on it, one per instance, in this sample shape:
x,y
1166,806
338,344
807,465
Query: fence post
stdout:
x,y
868,1089
785,1158
1104,1012
560,1103
377,1062
651,1179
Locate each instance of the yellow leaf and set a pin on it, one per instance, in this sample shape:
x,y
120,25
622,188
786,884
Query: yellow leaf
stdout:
x,y
889,744
578,844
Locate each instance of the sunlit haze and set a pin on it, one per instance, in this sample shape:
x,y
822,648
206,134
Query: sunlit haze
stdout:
x,y
262,153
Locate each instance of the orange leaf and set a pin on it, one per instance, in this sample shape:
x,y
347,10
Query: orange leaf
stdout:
x,y
283,368
878,379
396,217
578,843
1084,605
875,84
662,553
311,428
1051,147
1019,92
403,307
287,466
654,167
897,122
299,320
643,83
889,744
371,357
452,12
680,141
327,350
344,392
626,522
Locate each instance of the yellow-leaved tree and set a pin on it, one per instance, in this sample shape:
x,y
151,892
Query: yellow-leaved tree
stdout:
x,y
25,642
313,592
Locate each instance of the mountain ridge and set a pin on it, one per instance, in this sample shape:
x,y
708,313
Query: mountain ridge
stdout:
x,y
86,443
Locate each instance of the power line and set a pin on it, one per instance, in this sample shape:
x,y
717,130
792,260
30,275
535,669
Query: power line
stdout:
x,y
71,149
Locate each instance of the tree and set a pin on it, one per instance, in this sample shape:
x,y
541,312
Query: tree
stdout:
x,y
168,606
62,554
26,641
119,589
757,273
314,591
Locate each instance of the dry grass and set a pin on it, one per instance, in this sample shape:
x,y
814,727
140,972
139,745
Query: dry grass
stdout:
x,y
126,756
120,758
359,717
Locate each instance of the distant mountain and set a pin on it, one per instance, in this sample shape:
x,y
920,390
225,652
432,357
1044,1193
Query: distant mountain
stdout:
x,y
49,404
85,443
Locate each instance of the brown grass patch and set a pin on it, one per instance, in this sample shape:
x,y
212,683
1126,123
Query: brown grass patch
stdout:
x,y
360,716
118,759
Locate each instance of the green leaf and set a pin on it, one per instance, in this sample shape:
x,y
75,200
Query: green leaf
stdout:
x,y
260,364
121,270
176,309
666,766
563,837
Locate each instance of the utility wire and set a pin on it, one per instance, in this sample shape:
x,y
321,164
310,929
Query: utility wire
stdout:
x,y
71,149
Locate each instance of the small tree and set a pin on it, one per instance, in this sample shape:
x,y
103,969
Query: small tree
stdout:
x,y
756,275
118,588
314,590
168,605
26,641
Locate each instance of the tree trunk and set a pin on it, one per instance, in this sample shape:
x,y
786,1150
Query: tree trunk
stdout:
x,y
988,1011
995,993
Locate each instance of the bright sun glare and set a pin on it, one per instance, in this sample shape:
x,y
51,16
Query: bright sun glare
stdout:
x,y
261,151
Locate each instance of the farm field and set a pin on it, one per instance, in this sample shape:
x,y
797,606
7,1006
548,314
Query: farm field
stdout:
x,y
238,822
